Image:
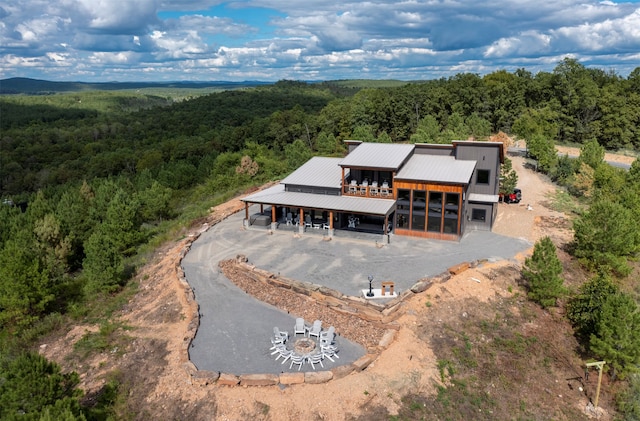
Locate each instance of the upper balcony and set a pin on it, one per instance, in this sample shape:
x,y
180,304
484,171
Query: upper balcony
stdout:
x,y
383,190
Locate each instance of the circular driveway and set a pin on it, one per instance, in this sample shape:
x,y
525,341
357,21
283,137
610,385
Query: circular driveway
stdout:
x,y
235,328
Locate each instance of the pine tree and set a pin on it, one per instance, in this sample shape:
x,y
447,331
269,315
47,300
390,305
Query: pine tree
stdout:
x,y
31,385
508,177
617,334
542,270
584,309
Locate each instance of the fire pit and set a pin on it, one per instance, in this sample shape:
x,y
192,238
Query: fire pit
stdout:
x,y
304,346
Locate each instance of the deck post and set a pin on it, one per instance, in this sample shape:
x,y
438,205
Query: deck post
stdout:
x,y
301,221
330,223
274,223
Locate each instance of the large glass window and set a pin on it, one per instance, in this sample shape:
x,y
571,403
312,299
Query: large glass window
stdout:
x,y
451,210
483,176
404,200
434,218
402,220
419,206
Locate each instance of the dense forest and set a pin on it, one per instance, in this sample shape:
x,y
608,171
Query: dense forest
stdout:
x,y
90,181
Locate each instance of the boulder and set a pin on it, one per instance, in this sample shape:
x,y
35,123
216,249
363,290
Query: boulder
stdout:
x,y
291,378
317,377
458,269
342,371
228,379
259,379
364,361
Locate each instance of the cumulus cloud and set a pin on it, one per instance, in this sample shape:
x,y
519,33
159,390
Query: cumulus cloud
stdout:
x,y
272,39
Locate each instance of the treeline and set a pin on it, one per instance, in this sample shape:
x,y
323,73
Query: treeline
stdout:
x,y
43,147
103,174
604,310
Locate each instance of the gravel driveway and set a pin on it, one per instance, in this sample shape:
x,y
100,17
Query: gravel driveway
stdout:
x,y
235,328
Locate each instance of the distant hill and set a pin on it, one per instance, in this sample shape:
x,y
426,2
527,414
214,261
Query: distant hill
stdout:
x,y
19,85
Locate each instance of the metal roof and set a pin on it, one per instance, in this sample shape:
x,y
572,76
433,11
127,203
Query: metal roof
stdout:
x,y
276,195
318,172
388,156
483,198
436,168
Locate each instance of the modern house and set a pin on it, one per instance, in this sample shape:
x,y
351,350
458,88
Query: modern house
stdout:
x,y
421,190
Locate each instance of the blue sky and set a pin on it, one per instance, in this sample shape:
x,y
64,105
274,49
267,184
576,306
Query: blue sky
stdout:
x,y
270,40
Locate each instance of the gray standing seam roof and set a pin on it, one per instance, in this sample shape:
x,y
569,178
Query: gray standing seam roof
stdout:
x,y
276,195
436,168
318,172
385,156
483,198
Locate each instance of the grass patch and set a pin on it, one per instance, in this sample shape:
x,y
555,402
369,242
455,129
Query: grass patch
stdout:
x,y
562,201
486,364
109,338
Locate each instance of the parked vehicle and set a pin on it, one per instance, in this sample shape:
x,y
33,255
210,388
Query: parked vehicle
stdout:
x,y
514,197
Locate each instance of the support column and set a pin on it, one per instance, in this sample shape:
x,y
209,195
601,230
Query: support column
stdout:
x,y
274,218
301,226
246,214
330,223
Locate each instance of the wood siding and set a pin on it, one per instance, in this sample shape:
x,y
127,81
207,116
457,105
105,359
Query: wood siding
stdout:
x,y
430,187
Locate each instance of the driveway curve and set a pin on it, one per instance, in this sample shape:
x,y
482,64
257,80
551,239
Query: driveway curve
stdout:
x,y
235,328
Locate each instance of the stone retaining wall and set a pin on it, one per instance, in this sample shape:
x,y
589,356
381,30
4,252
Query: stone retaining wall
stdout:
x,y
355,306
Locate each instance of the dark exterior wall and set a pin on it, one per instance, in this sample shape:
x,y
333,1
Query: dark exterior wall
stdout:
x,y
312,189
428,149
487,159
474,224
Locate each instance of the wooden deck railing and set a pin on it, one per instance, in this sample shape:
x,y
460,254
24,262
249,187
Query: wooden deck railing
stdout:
x,y
368,191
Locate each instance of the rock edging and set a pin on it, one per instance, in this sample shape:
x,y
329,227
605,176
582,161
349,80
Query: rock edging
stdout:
x,y
358,307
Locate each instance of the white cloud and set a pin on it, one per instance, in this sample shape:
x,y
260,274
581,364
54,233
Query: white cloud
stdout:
x,y
110,58
404,39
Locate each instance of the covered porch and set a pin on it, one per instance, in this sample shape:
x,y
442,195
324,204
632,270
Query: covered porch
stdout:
x,y
313,213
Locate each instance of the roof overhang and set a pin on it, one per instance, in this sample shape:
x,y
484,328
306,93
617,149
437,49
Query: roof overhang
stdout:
x,y
483,198
277,195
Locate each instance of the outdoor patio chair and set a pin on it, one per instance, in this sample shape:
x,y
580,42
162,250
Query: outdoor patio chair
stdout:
x,y
329,350
328,335
307,221
315,359
316,329
275,342
363,187
285,354
353,187
374,190
289,219
297,359
327,354
278,348
384,190
280,335
299,327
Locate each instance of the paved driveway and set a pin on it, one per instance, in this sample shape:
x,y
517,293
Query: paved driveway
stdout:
x,y
235,328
